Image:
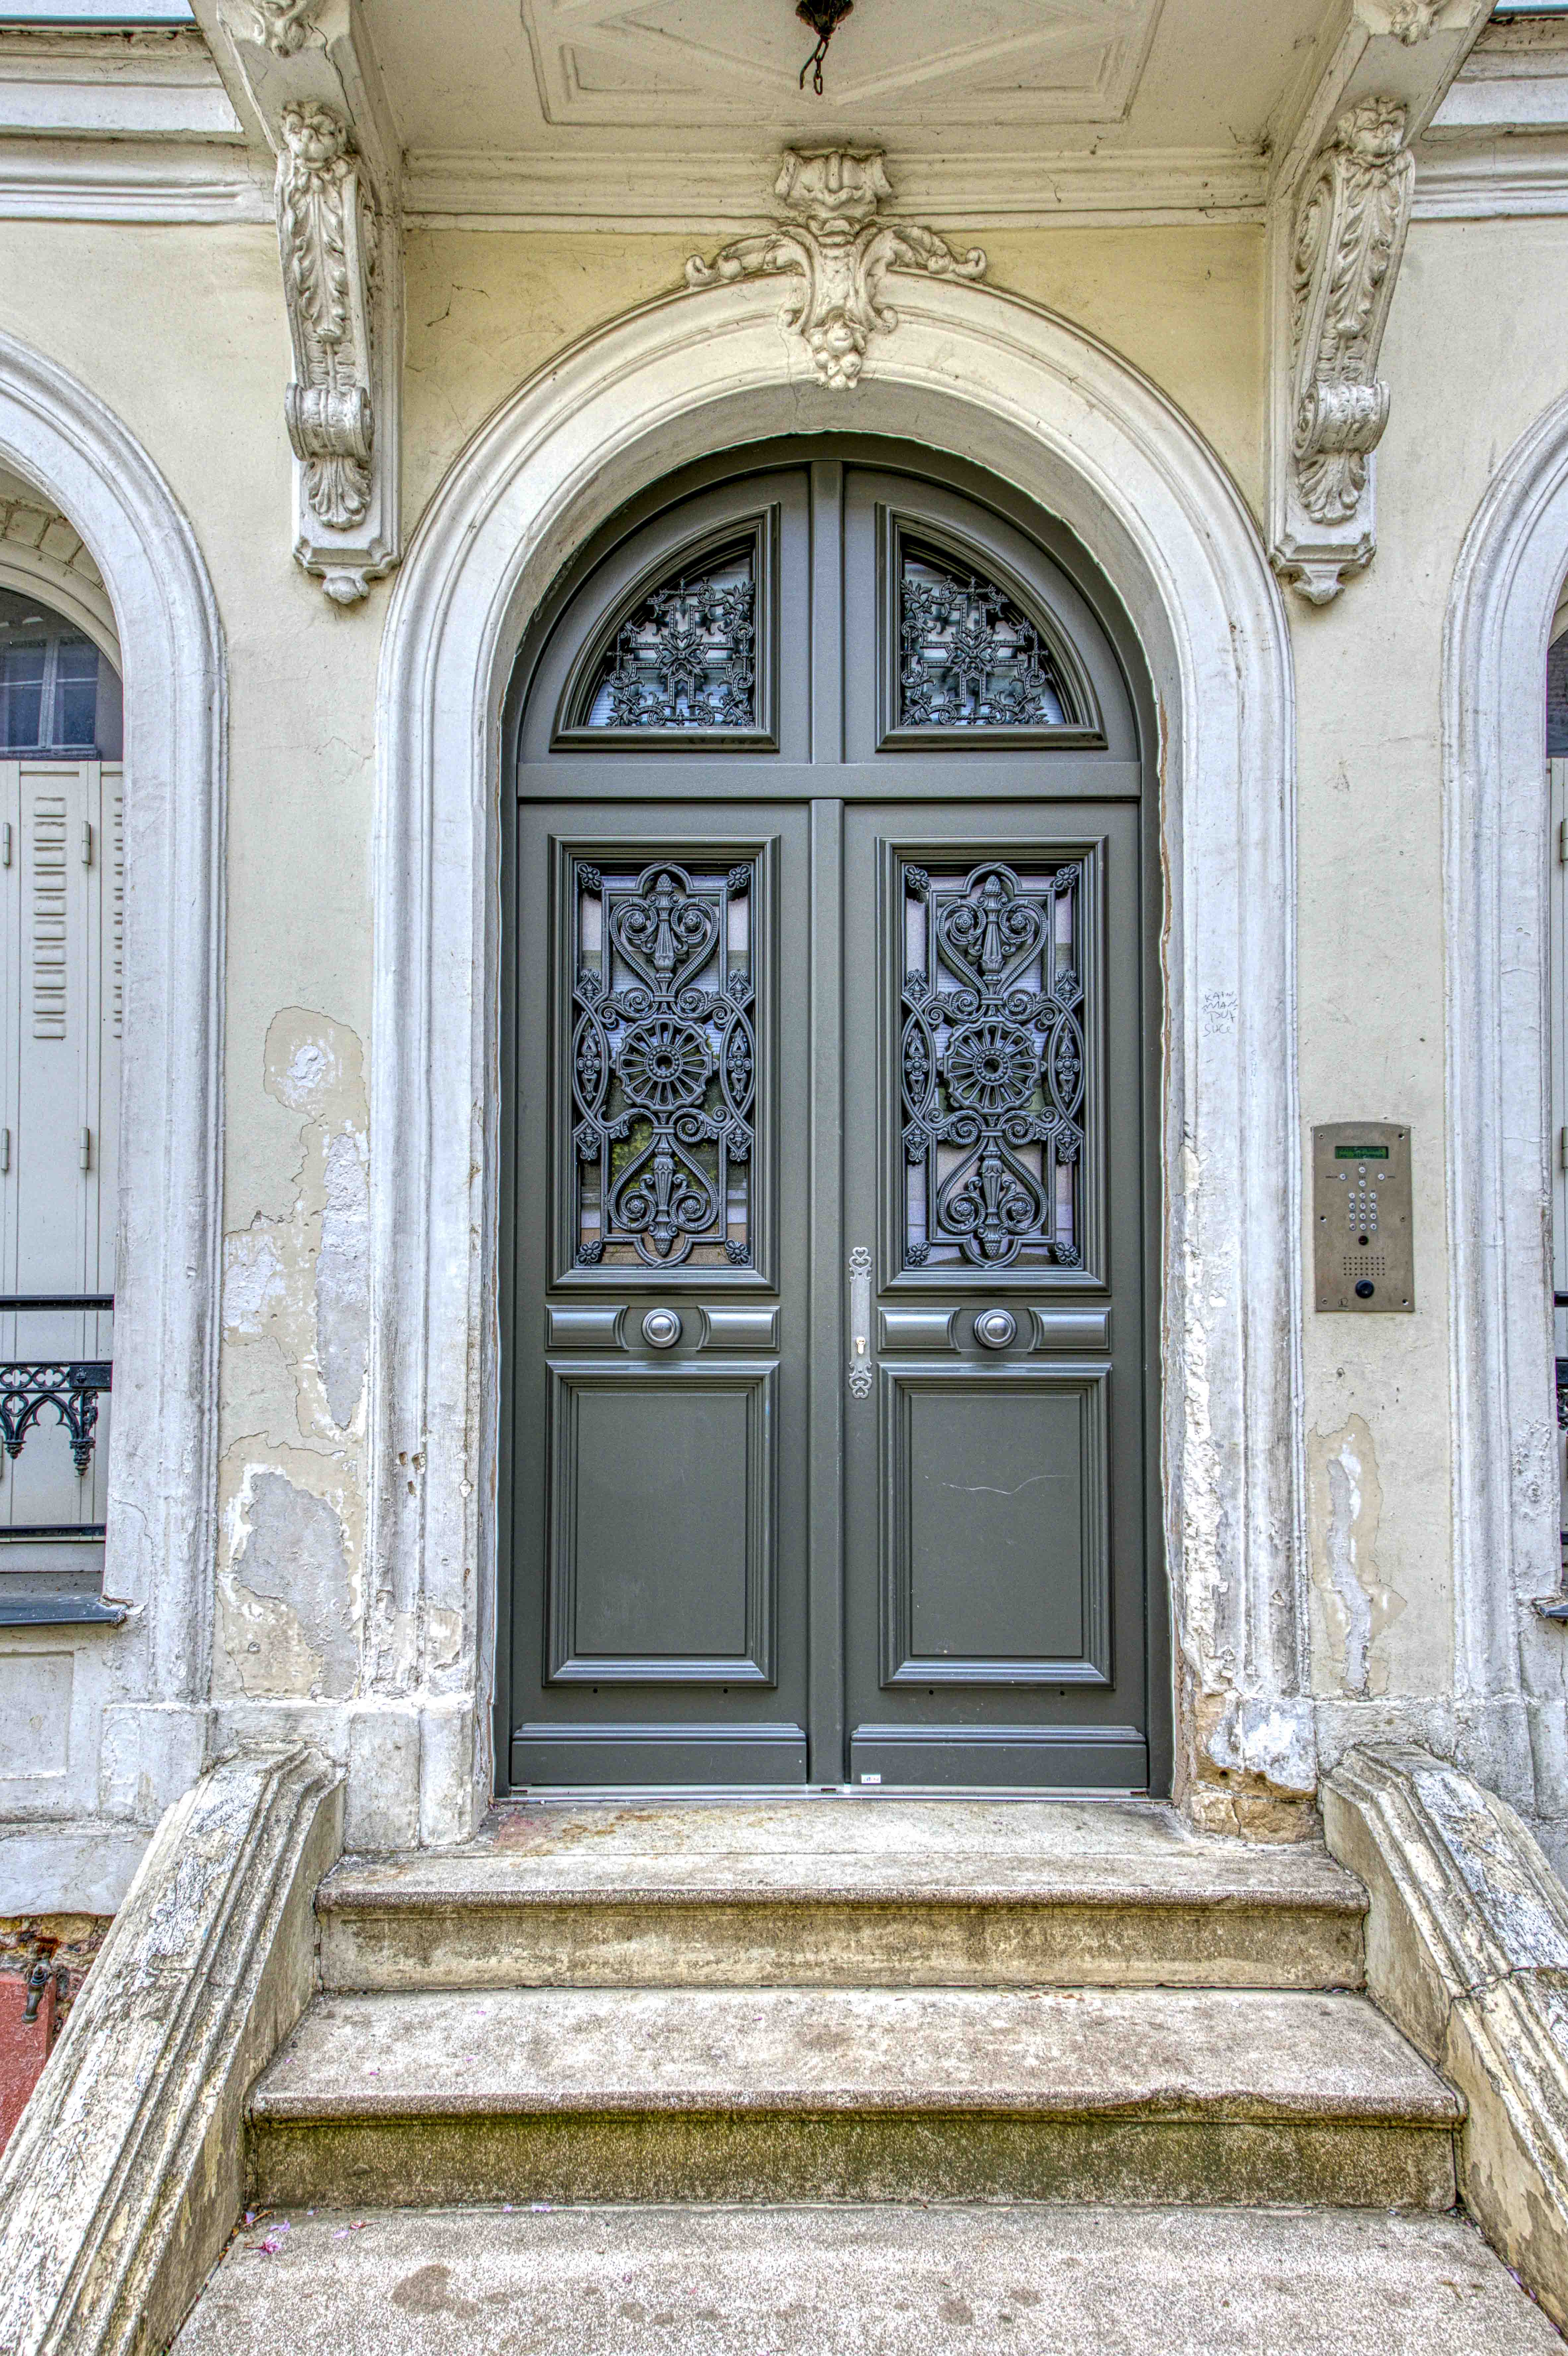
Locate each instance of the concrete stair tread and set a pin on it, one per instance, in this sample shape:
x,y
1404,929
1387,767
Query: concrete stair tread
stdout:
x,y
915,1851
879,2281
1168,2054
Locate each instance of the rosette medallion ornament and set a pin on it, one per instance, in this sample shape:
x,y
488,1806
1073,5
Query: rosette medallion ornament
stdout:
x,y
663,1065
993,1068
842,253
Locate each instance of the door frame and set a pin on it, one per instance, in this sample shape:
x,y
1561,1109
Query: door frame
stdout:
x,y
1038,402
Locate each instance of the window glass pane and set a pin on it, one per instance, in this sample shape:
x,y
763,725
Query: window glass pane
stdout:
x,y
687,659
76,694
57,693
967,657
21,696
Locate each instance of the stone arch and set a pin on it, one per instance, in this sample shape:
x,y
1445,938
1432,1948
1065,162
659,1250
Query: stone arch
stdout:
x,y
1508,1662
162,619
1041,404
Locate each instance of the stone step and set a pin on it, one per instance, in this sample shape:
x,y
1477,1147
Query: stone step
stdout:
x,y
852,2095
857,1893
866,2282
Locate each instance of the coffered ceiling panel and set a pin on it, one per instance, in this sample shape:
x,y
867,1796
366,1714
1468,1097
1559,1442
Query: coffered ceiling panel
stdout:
x,y
672,62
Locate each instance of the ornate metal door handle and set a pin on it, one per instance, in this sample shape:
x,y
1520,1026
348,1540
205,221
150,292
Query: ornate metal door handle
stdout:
x,y
860,1322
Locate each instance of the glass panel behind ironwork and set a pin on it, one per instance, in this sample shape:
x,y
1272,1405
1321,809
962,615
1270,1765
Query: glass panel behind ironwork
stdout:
x,y
687,658
968,657
663,1063
993,1065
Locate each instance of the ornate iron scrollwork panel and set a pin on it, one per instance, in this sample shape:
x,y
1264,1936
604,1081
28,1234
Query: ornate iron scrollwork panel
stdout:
x,y
967,657
72,1390
993,1065
664,1064
687,658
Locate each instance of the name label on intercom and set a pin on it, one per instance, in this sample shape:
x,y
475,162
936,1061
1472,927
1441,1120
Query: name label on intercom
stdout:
x,y
1363,1255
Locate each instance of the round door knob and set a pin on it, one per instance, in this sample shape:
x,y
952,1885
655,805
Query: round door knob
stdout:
x,y
662,1329
994,1328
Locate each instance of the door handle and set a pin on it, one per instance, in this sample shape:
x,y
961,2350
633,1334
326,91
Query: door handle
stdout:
x,y
860,1322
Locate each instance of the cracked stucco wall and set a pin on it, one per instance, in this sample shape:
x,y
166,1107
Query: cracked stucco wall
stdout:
x,y
295,1343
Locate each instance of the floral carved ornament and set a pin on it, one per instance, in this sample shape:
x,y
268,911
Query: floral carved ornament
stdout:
x,y
329,234
1349,235
841,252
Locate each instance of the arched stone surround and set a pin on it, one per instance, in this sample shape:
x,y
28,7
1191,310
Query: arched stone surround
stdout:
x,y
150,1677
1510,1666
993,380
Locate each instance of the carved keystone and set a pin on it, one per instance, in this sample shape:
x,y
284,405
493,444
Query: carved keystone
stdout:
x,y
843,253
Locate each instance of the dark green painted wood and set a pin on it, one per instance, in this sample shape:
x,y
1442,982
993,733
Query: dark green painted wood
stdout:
x,y
725,1570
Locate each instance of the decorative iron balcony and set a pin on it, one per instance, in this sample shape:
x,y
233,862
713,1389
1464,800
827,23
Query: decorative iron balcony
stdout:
x,y
71,1387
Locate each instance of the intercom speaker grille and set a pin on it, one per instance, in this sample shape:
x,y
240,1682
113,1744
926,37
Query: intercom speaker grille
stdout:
x,y
1362,1265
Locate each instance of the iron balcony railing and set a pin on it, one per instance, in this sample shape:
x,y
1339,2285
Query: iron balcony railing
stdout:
x,y
71,1387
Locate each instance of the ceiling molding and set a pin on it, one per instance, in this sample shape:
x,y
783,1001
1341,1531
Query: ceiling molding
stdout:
x,y
120,180
630,63
694,193
1493,179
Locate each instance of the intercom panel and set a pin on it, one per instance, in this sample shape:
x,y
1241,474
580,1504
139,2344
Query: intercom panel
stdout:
x,y
1363,1252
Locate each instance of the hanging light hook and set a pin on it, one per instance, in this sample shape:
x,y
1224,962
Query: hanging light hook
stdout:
x,y
824,17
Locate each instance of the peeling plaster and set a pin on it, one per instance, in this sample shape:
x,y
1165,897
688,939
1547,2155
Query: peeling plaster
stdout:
x,y
296,1349
1353,1608
288,1615
343,1277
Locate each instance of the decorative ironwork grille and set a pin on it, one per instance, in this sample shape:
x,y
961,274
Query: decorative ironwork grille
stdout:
x,y
968,657
664,1064
687,659
993,1065
71,1390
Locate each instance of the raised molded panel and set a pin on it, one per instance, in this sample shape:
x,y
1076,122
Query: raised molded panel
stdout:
x,y
35,1716
639,63
584,1329
662,1526
1071,1329
997,1526
741,1329
918,1329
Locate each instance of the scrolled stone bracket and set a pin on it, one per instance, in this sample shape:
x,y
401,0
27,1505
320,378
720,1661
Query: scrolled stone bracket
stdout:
x,y
842,254
302,77
1348,239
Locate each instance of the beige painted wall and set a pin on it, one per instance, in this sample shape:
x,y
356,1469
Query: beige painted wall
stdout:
x,y
182,332
486,308
1470,369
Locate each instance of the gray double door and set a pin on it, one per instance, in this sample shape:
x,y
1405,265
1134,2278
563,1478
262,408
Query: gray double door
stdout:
x,y
826,1326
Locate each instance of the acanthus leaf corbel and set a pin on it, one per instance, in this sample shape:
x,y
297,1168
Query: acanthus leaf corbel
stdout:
x,y
330,235
1346,239
304,79
841,252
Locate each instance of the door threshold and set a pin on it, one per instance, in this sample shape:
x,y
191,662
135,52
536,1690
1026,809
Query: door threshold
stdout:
x,y
727,1794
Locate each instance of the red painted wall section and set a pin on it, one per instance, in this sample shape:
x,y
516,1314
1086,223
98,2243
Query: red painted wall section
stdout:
x,y
63,1947
24,2046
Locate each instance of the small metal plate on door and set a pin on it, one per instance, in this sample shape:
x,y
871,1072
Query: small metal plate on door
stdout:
x,y
1363,1256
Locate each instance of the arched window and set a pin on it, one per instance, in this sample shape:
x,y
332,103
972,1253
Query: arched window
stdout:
x,y
1557,775
61,934
57,693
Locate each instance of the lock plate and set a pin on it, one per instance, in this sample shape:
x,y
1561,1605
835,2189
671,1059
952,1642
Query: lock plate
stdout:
x,y
1363,1257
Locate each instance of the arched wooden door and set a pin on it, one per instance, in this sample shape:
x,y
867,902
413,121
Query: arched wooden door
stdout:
x,y
828,1248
